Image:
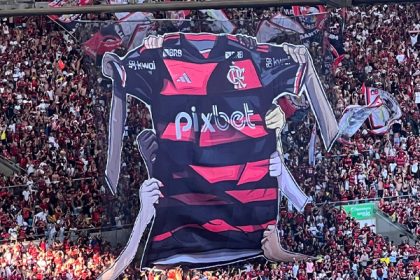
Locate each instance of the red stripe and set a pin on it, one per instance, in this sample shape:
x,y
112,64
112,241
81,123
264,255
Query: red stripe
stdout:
x,y
251,172
168,234
200,37
334,51
208,139
199,199
217,225
142,49
255,118
170,133
249,196
257,132
162,236
187,78
337,61
220,225
169,89
218,174
257,227
232,38
264,50
254,171
251,78
171,36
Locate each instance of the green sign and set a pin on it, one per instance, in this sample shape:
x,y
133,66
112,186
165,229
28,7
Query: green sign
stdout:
x,y
360,211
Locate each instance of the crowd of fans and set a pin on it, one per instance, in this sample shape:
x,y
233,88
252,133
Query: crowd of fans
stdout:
x,y
381,54
404,211
84,258
346,250
48,130
53,127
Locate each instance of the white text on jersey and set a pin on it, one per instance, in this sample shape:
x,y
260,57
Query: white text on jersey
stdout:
x,y
172,53
211,121
137,65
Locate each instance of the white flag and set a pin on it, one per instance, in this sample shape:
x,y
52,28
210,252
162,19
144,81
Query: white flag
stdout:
x,y
354,116
221,21
385,115
312,144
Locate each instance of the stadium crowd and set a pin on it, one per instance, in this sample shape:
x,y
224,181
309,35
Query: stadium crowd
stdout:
x,y
346,250
47,129
53,127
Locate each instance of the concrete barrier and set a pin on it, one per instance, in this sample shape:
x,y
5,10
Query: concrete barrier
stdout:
x,y
8,168
393,231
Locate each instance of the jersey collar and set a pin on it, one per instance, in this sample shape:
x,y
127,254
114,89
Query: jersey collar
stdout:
x,y
215,44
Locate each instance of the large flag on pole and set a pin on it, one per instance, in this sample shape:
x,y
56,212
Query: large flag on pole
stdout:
x,y
312,144
354,116
279,24
129,31
105,40
384,116
133,28
221,22
68,22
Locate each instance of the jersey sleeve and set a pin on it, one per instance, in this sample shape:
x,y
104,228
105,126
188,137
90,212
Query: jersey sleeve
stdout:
x,y
287,75
134,75
292,78
141,76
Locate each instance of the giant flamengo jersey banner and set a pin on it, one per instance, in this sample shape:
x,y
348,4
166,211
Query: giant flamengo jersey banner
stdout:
x,y
212,150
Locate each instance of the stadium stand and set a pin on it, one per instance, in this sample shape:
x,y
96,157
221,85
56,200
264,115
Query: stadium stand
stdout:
x,y
53,127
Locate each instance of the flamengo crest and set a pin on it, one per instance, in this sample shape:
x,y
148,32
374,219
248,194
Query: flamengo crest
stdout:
x,y
236,77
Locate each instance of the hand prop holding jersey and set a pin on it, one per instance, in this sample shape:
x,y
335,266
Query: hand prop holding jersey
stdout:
x,y
148,146
275,119
287,183
208,96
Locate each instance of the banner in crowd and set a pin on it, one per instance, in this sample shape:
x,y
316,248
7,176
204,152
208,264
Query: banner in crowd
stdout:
x,y
311,24
180,19
382,110
383,117
277,25
354,117
213,156
362,211
128,32
219,22
313,20
122,2
68,22
307,22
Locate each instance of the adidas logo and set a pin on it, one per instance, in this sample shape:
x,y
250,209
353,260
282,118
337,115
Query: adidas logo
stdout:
x,y
184,79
